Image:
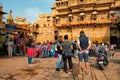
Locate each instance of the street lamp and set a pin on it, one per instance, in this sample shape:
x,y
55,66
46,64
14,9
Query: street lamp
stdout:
x,y
70,17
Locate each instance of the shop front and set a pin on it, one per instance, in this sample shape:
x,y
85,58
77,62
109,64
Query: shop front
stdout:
x,y
5,33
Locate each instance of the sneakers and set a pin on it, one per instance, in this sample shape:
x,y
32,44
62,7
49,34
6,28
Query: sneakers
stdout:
x,y
66,71
57,69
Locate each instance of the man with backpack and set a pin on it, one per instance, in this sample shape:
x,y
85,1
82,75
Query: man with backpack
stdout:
x,y
84,45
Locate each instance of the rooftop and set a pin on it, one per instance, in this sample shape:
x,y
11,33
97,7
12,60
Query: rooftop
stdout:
x,y
1,12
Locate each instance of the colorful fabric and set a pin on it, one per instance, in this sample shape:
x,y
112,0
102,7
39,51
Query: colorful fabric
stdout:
x,y
48,47
56,55
30,52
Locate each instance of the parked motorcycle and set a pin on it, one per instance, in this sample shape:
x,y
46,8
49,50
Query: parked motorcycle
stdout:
x,y
101,59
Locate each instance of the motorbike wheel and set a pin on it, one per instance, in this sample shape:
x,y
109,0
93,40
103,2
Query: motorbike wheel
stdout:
x,y
101,67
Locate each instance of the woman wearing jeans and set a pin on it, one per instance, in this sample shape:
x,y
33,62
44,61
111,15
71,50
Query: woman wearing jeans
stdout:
x,y
59,63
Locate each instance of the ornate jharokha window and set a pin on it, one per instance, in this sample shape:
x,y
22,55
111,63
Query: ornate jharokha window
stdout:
x,y
81,17
94,15
111,14
70,17
57,19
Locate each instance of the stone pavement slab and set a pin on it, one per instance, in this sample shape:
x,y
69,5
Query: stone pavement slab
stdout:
x,y
42,69
112,72
16,68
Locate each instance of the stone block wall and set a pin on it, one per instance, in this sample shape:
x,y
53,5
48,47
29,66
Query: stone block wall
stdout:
x,y
100,34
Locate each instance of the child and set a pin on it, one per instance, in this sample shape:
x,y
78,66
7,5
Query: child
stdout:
x,y
30,53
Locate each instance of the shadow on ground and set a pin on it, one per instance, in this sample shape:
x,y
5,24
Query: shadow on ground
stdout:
x,y
116,61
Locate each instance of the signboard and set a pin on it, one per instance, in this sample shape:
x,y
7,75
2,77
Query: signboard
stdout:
x,y
10,27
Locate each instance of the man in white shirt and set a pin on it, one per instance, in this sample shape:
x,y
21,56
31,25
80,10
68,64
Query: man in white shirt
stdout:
x,y
10,47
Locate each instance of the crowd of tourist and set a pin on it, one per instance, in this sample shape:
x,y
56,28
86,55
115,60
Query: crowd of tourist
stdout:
x,y
62,49
19,46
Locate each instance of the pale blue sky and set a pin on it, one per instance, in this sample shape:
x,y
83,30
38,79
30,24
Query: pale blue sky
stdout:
x,y
27,8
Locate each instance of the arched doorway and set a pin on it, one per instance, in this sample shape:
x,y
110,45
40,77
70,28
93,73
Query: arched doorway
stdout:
x,y
113,39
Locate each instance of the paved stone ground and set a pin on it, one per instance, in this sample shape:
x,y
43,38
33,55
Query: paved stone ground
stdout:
x,y
16,68
112,72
